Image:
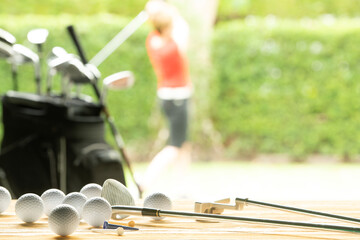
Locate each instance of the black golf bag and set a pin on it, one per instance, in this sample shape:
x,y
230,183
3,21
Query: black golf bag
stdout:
x,y
50,142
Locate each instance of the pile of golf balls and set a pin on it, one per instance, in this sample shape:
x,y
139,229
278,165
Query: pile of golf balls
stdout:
x,y
64,211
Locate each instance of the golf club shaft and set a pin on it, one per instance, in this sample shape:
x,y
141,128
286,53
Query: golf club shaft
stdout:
x,y
297,210
71,31
124,34
151,212
120,144
117,136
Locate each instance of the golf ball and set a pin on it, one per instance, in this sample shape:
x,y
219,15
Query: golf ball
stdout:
x,y
51,199
29,207
5,199
64,220
77,200
96,210
158,201
91,190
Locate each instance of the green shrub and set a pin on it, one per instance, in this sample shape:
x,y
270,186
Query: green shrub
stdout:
x,y
280,86
287,86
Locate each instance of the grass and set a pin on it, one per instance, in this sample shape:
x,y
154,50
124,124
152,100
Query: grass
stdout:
x,y
261,181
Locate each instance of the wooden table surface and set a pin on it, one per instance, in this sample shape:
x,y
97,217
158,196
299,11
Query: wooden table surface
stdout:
x,y
184,228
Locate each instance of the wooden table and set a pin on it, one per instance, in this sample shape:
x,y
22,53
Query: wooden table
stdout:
x,y
184,228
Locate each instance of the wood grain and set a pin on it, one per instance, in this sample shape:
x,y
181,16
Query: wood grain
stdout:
x,y
180,228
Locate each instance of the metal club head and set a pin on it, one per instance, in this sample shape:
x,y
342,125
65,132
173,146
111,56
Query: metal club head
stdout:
x,y
57,52
119,81
7,37
117,194
24,55
38,36
78,73
217,207
6,50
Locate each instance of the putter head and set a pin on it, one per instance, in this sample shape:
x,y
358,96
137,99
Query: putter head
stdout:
x,y
7,37
117,194
217,207
119,81
38,36
23,55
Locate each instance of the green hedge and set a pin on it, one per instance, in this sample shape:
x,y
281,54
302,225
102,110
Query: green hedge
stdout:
x,y
280,86
231,9
288,86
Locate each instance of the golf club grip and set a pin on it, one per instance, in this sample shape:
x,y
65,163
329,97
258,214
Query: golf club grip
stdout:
x,y
74,38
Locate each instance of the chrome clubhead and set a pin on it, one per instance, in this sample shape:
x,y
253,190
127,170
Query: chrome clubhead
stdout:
x,y
6,50
23,55
7,37
38,36
119,81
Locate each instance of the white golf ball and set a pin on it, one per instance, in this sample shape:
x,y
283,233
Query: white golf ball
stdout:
x,y
52,198
64,220
91,190
77,200
29,207
5,199
158,201
96,210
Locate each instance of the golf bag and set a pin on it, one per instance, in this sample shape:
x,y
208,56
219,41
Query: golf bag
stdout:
x,y
50,142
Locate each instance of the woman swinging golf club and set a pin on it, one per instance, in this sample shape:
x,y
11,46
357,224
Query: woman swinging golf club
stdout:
x,y
166,46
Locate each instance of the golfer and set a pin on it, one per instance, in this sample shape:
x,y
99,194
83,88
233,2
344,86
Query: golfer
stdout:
x,y
166,46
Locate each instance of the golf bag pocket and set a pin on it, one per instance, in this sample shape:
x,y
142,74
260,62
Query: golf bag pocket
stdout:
x,y
94,164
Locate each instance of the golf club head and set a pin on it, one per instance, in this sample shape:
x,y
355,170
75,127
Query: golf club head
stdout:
x,y
119,81
78,73
95,71
6,50
57,52
24,55
117,194
38,36
7,37
60,63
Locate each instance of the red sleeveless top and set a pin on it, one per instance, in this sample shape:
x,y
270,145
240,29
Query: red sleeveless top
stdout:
x,y
169,64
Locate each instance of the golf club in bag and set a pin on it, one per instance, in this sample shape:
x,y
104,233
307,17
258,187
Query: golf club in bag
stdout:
x,y
118,139
57,141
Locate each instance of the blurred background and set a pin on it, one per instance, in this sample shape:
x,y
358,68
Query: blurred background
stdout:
x,y
276,107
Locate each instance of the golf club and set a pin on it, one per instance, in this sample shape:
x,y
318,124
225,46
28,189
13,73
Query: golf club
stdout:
x,y
23,55
152,212
7,37
124,34
38,37
118,139
246,201
7,52
118,81
58,62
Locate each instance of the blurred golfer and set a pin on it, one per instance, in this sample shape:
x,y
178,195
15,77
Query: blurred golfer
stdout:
x,y
166,46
